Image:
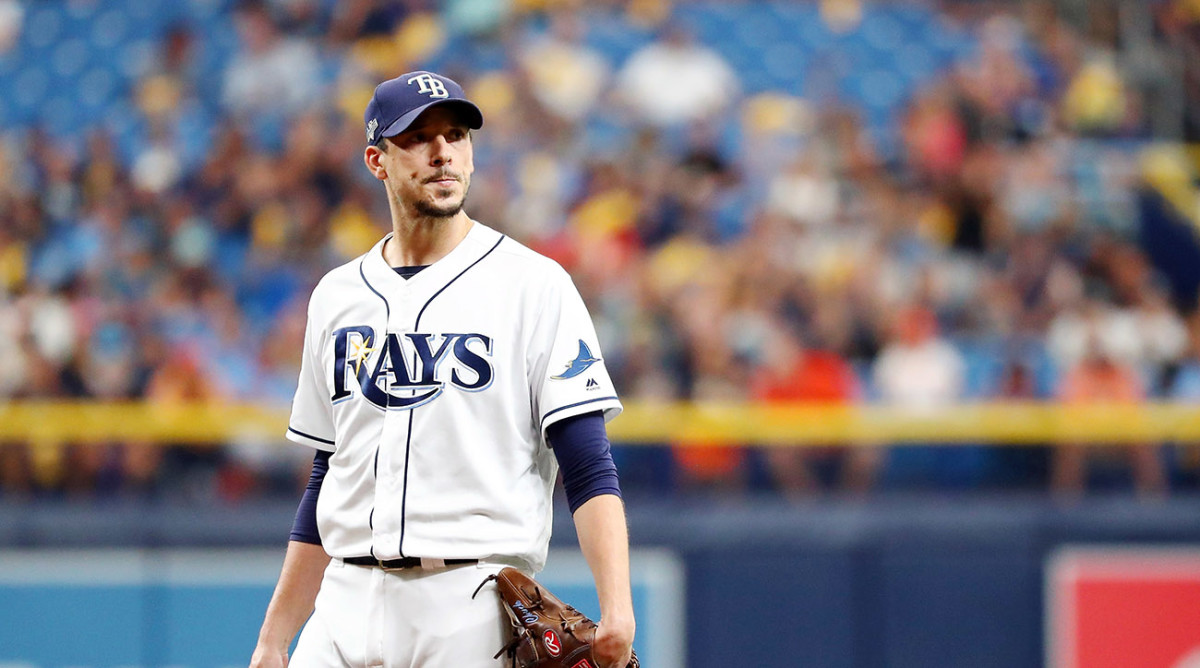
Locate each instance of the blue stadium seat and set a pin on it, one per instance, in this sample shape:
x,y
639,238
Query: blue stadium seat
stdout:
x,y
97,87
604,137
109,29
786,63
788,14
62,115
917,20
774,46
811,30
757,27
42,28
204,11
916,63
10,65
879,89
950,45
124,123
134,57
882,31
710,27
31,87
613,38
69,58
81,12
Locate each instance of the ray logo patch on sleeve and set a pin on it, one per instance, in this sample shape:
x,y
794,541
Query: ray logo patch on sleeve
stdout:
x,y
582,362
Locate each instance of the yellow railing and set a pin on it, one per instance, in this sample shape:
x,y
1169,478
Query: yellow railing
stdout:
x,y
55,423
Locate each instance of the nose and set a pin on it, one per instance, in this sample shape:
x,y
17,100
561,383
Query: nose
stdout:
x,y
439,152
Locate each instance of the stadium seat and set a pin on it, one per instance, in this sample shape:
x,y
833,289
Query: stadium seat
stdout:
x,y
109,30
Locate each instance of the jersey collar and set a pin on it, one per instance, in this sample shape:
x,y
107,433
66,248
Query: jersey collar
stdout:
x,y
382,278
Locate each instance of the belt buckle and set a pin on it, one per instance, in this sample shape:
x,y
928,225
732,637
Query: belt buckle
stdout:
x,y
425,564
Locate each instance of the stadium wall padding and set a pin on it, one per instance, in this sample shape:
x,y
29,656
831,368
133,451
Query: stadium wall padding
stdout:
x,y
900,582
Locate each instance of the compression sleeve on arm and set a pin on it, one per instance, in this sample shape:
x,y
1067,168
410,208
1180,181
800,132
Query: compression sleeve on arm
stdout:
x,y
581,445
304,528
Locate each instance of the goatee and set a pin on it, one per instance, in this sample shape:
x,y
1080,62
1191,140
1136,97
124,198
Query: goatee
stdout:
x,y
431,210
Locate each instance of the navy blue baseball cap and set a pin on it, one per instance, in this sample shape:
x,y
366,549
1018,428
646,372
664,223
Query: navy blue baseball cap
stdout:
x,y
398,102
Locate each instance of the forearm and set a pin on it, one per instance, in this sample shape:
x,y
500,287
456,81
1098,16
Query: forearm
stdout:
x,y
604,541
295,594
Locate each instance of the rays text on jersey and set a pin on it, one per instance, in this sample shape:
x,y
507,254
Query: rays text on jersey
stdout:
x,y
403,371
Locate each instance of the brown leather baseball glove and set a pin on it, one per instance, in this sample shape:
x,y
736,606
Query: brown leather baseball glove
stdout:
x,y
547,633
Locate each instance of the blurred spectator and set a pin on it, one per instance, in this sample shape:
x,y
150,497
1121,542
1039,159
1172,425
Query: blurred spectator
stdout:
x,y
12,361
919,371
1095,101
477,18
1185,388
714,374
191,469
255,466
751,191
1034,197
1164,337
791,372
12,14
272,73
1094,327
368,18
935,135
567,77
674,80
1099,378
806,192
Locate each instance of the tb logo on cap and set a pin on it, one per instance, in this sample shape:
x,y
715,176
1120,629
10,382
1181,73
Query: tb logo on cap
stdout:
x,y
430,86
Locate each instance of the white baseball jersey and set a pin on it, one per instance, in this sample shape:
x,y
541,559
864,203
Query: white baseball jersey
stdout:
x,y
434,393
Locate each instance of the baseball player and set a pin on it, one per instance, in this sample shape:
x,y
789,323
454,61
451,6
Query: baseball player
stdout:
x,y
447,375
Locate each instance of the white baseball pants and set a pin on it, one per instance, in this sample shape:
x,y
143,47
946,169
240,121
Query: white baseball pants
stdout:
x,y
366,617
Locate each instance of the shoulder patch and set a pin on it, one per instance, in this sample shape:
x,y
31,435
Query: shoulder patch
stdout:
x,y
582,362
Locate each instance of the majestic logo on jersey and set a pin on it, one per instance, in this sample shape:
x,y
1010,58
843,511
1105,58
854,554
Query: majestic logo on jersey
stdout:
x,y
581,363
430,86
404,371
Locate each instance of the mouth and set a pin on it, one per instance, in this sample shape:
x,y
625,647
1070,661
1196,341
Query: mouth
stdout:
x,y
443,180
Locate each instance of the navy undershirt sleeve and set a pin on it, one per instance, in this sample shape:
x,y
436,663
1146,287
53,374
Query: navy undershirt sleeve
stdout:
x,y
304,528
585,457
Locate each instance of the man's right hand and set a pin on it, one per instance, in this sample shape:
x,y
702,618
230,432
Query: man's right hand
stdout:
x,y
291,604
265,657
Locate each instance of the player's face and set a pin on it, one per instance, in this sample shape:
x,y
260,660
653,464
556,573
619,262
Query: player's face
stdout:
x,y
429,165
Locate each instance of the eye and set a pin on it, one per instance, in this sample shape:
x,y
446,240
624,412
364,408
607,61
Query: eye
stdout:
x,y
412,139
457,134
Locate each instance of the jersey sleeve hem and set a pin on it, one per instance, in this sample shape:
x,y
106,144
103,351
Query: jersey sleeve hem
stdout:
x,y
302,438
610,405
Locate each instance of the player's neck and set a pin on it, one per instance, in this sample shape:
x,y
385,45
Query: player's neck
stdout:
x,y
422,241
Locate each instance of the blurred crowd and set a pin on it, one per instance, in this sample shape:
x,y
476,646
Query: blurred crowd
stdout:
x,y
982,242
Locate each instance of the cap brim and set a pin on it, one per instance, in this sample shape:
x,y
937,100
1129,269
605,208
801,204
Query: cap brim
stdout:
x,y
473,116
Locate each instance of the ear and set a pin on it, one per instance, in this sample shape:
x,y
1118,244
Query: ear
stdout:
x,y
373,158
